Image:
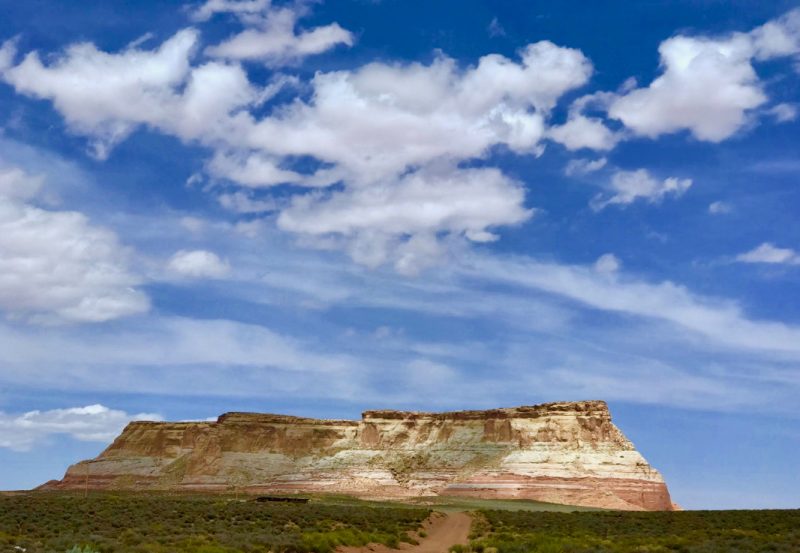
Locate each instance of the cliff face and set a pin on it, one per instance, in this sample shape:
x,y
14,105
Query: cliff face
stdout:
x,y
567,453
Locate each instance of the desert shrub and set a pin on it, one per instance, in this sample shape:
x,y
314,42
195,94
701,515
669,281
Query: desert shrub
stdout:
x,y
618,532
152,523
79,549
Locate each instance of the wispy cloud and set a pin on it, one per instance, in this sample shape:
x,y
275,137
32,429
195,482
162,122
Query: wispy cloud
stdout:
x,y
769,253
92,423
626,187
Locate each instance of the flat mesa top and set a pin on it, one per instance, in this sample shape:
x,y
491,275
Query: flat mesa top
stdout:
x,y
595,407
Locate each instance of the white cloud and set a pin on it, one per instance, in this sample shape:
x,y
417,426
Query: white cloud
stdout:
x,y
779,37
769,253
584,166
783,113
270,35
708,85
253,169
407,215
607,263
538,317
106,96
180,356
584,132
628,186
238,7
93,423
198,264
241,202
719,208
55,265
7,52
368,127
720,321
381,119
377,122
16,184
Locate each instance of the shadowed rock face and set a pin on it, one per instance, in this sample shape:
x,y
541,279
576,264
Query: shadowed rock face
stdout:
x,y
567,453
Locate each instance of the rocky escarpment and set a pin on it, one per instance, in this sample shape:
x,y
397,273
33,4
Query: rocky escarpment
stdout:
x,y
567,453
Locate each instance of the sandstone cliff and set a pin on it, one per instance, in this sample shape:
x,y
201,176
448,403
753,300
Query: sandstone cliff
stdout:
x,y
567,453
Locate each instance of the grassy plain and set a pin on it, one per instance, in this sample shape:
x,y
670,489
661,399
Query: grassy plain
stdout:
x,y
160,523
103,522
450,504
625,532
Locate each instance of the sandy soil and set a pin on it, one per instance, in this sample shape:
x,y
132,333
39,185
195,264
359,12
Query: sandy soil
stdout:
x,y
443,531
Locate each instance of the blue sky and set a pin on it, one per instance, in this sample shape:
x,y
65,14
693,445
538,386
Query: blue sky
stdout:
x,y
320,208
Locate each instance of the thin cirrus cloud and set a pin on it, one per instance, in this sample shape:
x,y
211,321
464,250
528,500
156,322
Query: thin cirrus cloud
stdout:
x,y
666,319
720,321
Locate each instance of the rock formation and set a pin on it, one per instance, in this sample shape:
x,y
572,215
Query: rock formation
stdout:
x,y
568,453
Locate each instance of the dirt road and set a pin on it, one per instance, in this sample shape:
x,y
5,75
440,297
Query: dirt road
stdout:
x,y
442,532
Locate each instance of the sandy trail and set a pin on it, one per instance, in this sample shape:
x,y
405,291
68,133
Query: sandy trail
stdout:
x,y
443,531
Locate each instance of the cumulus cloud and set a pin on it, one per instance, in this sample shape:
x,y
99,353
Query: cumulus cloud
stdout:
x,y
584,132
107,96
198,264
627,187
708,85
381,119
369,127
769,253
93,423
584,166
387,132
56,265
270,35
405,216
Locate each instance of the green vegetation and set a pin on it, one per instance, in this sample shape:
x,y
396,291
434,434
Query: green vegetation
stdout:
x,y
617,532
148,523
162,523
452,504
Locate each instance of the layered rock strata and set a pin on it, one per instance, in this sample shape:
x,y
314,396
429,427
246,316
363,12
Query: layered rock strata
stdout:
x,y
568,453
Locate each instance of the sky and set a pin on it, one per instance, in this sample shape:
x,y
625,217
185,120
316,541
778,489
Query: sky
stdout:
x,y
317,208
